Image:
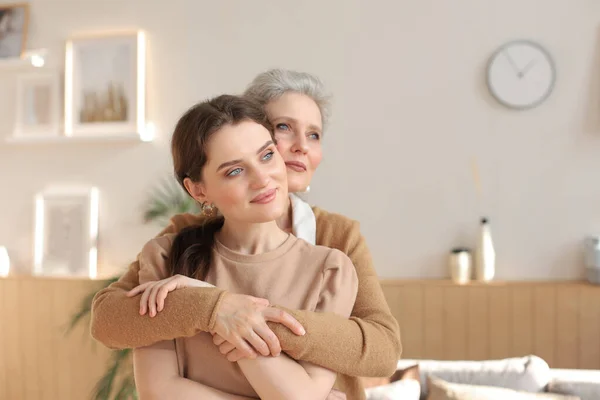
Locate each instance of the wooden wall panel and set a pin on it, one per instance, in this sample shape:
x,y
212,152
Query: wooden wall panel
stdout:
x,y
558,321
37,360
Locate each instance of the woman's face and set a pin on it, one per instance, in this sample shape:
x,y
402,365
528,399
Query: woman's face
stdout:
x,y
298,126
244,177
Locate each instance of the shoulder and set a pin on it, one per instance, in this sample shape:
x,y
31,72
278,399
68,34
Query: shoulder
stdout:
x,y
336,230
159,245
180,221
326,219
323,256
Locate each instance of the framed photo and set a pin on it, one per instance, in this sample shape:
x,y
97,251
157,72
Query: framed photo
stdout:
x,y
105,84
14,20
38,108
66,232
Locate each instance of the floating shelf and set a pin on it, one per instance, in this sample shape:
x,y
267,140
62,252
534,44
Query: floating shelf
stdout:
x,y
109,138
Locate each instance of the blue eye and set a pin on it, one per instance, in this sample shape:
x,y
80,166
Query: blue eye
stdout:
x,y
235,172
268,156
315,136
283,127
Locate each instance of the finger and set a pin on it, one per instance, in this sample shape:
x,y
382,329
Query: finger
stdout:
x,y
261,301
270,339
152,298
217,339
242,346
256,341
144,299
336,395
276,315
236,355
163,292
226,347
138,289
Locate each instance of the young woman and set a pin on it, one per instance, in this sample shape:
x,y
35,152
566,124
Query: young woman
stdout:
x,y
366,344
225,157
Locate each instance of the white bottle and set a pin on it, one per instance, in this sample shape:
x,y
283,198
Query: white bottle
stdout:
x,y
485,261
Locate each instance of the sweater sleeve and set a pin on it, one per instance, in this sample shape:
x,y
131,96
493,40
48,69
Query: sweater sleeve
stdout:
x,y
339,285
366,344
115,318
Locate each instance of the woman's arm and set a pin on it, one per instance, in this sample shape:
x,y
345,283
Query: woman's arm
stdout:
x,y
282,377
367,344
116,321
157,376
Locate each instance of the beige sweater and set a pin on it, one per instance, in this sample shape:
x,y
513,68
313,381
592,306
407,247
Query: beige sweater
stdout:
x,y
367,344
296,275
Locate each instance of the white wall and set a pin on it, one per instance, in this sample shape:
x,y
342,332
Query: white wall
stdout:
x,y
411,113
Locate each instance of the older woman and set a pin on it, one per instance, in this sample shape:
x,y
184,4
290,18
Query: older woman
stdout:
x,y
366,344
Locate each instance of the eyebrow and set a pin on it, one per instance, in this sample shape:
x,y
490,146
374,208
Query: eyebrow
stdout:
x,y
310,126
233,162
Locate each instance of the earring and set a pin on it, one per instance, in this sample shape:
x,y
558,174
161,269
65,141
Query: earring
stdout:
x,y
307,189
209,210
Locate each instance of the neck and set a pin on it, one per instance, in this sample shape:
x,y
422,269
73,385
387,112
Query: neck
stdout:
x,y
285,222
253,238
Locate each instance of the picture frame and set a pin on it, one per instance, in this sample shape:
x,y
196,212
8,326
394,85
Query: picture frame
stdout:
x,y
38,105
14,25
105,84
66,232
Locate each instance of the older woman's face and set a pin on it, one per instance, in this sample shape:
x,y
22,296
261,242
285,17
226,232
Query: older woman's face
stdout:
x,y
298,130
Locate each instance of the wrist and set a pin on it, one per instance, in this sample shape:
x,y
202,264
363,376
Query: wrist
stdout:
x,y
215,312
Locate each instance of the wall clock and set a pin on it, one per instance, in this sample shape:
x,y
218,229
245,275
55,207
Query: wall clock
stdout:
x,y
521,74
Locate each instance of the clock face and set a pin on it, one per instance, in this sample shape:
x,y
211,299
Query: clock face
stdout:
x,y
521,74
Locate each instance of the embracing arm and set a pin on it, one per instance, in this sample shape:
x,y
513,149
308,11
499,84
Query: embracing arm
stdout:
x,y
367,344
157,376
116,321
281,377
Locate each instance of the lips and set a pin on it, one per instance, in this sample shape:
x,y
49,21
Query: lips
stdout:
x,y
265,197
296,166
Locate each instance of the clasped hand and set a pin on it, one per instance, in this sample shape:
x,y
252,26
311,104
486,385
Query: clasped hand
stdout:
x,y
240,329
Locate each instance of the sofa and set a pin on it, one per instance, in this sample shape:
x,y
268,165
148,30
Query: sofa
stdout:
x,y
524,378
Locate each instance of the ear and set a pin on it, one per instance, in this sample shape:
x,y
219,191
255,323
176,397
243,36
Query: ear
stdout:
x,y
196,190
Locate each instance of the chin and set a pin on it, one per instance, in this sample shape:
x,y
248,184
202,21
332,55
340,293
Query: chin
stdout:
x,y
270,213
297,186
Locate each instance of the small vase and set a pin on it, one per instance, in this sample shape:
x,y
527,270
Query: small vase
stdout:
x,y
485,262
460,266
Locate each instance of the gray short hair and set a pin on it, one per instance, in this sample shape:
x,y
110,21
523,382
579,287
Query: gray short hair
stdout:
x,y
274,83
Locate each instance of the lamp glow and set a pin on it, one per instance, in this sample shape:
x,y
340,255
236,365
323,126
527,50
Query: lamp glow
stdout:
x,y
4,262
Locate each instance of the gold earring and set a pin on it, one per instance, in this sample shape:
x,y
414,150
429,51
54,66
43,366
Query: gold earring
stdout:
x,y
209,210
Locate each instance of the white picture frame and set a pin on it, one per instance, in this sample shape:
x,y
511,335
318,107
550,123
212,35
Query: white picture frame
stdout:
x,y
105,84
38,105
66,232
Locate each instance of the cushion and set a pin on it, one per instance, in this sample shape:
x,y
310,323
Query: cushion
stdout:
x,y
578,382
442,390
406,389
529,374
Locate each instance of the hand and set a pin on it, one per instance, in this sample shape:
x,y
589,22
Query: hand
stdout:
x,y
241,320
336,395
154,293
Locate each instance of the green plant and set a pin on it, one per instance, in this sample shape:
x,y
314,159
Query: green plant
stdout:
x,y
117,383
166,200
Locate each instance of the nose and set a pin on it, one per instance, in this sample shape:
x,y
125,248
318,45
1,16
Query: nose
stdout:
x,y
260,178
300,144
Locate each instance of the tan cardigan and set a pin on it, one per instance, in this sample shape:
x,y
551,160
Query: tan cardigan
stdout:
x,y
367,344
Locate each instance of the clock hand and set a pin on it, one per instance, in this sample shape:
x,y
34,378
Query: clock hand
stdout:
x,y
512,63
527,68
